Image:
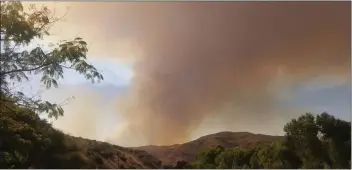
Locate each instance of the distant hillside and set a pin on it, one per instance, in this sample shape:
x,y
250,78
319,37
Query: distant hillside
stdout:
x,y
26,141
188,151
112,156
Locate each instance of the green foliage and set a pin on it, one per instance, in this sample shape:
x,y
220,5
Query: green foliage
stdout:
x,y
336,137
275,156
22,136
225,159
207,158
310,141
26,141
18,29
302,133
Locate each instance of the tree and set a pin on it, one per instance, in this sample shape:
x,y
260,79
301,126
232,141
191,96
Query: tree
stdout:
x,y
336,137
27,141
254,161
275,156
18,29
320,142
225,159
222,158
24,137
302,136
206,159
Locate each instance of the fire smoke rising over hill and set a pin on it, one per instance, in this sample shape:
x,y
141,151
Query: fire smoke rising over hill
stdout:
x,y
194,57
197,56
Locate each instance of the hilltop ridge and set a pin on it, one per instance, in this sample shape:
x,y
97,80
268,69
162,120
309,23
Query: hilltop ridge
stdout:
x,y
188,151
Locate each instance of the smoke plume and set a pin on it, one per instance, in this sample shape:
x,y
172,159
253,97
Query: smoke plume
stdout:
x,y
193,59
198,56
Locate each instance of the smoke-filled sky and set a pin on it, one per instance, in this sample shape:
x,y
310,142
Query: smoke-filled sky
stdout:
x,y
177,70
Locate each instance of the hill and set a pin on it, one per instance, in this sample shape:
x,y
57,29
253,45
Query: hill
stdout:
x,y
188,151
113,156
26,141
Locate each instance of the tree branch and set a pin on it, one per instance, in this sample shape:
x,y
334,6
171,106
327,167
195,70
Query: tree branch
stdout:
x,y
71,68
26,70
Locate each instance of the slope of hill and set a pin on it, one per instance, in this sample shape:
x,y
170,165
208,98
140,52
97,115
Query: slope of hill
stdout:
x,y
188,151
112,156
26,141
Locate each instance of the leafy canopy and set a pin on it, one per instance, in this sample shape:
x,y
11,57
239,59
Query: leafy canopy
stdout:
x,y
310,142
18,30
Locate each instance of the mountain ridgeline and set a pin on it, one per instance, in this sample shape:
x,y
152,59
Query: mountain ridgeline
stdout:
x,y
320,141
169,155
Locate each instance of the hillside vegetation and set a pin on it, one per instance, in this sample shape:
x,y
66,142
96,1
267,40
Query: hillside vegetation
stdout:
x,y
310,142
320,141
169,155
26,141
